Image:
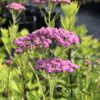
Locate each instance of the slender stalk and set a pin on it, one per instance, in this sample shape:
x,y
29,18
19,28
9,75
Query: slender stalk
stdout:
x,y
70,76
23,79
8,88
38,82
78,84
49,13
49,18
51,88
12,32
24,88
86,84
71,91
86,98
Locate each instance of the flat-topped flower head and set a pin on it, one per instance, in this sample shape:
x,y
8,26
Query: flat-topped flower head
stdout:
x,y
55,65
52,1
61,1
16,7
45,38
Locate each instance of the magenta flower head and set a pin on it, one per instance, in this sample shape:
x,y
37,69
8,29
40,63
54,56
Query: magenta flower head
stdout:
x,y
45,38
23,44
16,7
55,65
9,62
52,1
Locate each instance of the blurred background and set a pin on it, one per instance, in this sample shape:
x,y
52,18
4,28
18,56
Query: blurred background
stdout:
x,y
89,14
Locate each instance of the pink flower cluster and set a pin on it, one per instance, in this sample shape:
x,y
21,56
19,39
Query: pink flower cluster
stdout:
x,y
51,65
23,44
45,37
53,1
16,7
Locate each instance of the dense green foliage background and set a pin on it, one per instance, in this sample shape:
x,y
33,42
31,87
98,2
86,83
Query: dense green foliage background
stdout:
x,y
20,82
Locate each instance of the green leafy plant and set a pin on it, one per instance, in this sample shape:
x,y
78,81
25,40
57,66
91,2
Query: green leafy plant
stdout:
x,y
19,79
85,55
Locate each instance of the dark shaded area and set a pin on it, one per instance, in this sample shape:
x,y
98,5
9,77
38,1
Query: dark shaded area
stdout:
x,y
31,19
89,15
4,14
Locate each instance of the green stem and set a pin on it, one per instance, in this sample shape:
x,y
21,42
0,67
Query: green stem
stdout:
x,y
38,82
49,14
8,83
24,88
71,90
49,19
51,88
78,84
86,85
23,79
70,76
12,33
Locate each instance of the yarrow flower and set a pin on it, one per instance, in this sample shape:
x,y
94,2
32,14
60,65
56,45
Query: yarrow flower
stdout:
x,y
16,7
52,65
45,37
52,1
23,43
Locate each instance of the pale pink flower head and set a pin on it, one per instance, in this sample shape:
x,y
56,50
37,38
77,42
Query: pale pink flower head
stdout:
x,y
61,1
16,7
52,1
55,65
